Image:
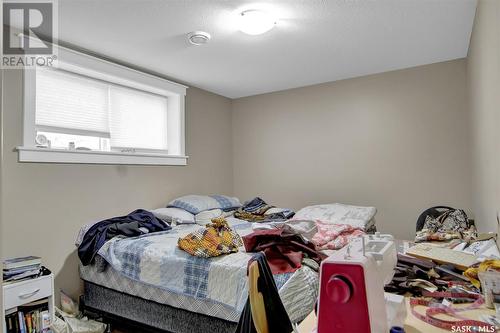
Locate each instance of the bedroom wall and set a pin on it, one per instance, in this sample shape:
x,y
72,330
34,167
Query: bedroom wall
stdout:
x,y
483,72
44,205
1,187
398,141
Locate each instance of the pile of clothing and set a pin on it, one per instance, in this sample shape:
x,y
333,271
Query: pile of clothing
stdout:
x,y
286,236
311,230
257,210
285,251
333,226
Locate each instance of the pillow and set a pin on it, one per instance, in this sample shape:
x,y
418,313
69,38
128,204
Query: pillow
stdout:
x,y
199,203
205,217
168,214
356,216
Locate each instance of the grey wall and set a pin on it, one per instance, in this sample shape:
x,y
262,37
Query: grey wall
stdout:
x,y
44,205
398,141
484,102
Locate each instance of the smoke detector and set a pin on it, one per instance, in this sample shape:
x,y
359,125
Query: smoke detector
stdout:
x,y
198,37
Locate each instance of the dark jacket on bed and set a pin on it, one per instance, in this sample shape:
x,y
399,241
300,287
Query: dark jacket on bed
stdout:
x,y
134,224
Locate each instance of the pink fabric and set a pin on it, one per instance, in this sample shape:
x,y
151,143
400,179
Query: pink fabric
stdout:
x,y
334,236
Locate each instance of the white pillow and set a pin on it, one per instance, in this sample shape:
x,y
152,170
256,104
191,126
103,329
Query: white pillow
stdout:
x,y
206,216
168,214
336,213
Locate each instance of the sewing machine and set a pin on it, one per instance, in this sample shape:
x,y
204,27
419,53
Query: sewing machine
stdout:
x,y
351,297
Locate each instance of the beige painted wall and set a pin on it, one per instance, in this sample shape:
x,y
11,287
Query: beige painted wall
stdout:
x,y
484,100
398,141
44,205
1,187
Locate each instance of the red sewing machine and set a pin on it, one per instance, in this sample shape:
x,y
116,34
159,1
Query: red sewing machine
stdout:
x,y
351,297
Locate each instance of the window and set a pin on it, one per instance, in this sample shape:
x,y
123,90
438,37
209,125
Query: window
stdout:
x,y
101,113
71,107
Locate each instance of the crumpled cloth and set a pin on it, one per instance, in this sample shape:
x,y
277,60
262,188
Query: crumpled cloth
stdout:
x,y
334,236
472,273
134,224
284,251
216,239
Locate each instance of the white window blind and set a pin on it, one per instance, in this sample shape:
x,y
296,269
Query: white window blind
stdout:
x,y
74,104
71,102
137,119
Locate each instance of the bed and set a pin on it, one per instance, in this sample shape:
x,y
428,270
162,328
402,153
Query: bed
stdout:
x,y
149,280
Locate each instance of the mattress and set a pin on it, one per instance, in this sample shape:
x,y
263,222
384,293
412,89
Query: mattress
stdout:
x,y
298,292
140,315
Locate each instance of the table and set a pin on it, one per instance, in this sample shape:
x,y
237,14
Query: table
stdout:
x,y
412,324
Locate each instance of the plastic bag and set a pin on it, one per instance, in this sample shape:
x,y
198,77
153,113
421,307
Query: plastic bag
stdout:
x,y
68,305
72,321
67,323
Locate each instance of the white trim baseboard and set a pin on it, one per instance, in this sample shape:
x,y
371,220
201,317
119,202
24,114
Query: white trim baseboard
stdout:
x,y
46,155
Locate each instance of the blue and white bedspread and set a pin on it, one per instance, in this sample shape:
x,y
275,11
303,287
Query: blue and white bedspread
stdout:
x,y
156,260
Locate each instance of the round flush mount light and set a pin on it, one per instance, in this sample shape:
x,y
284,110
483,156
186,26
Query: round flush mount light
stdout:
x,y
198,37
256,22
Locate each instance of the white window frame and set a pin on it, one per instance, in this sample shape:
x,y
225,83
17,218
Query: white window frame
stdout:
x,y
79,63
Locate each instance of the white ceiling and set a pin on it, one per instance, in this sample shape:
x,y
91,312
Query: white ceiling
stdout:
x,y
314,41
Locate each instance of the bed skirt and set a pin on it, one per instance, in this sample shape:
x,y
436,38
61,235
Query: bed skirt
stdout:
x,y
113,305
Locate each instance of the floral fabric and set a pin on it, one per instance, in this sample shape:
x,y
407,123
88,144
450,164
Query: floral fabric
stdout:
x,y
334,236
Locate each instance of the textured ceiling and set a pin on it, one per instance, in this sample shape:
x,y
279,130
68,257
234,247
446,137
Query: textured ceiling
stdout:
x,y
314,41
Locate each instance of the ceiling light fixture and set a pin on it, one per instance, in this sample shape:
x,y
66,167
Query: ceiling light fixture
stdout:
x,y
199,37
256,22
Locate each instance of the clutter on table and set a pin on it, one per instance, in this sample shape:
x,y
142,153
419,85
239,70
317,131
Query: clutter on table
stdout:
x,y
450,264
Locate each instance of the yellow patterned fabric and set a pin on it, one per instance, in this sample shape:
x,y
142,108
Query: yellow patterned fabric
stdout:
x,y
472,273
242,215
216,239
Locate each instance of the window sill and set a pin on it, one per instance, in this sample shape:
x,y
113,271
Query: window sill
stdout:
x,y
46,155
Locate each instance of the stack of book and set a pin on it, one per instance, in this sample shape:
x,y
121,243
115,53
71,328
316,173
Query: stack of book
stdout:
x,y
30,318
18,269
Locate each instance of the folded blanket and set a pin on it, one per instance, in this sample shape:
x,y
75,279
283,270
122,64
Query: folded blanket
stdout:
x,y
214,240
356,216
257,210
134,224
284,251
334,236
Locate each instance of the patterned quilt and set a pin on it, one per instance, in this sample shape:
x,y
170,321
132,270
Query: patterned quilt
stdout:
x,y
156,260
